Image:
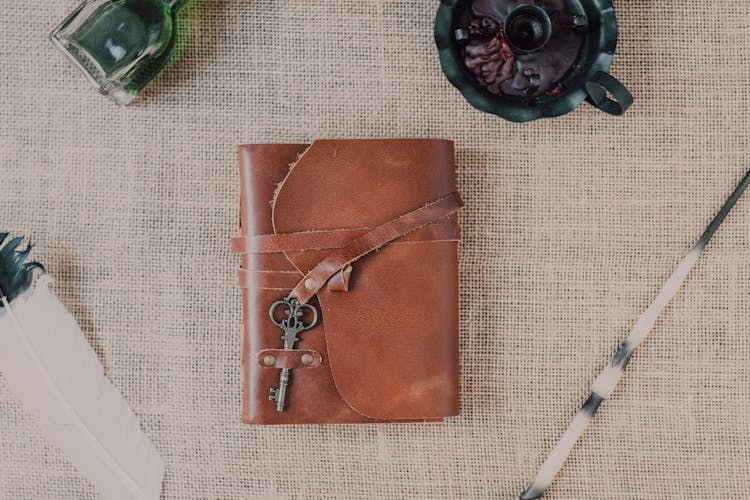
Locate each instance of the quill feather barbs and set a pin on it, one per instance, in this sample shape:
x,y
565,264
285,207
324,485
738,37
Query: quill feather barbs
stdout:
x,y
52,369
15,273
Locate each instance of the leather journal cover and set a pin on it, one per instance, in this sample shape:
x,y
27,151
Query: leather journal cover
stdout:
x,y
361,237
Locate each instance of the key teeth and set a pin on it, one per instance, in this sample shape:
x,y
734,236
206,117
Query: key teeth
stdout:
x,y
274,394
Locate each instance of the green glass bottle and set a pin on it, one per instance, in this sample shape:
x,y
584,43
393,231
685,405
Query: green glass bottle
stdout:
x,y
120,45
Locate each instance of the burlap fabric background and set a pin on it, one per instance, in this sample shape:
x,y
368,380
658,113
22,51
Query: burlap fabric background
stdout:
x,y
571,226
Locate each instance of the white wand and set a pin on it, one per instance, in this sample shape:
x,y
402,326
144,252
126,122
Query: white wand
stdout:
x,y
605,383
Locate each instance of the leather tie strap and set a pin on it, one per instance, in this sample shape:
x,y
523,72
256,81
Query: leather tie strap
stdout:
x,y
322,240
372,240
295,242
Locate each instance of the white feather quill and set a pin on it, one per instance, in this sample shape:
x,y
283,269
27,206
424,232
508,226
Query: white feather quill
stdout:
x,y
53,370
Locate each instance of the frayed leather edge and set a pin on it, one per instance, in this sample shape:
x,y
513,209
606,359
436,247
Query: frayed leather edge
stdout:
x,y
276,192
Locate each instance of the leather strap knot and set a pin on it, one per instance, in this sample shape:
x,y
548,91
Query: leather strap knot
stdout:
x,y
372,240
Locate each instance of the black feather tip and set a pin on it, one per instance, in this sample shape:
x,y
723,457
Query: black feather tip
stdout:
x,y
16,274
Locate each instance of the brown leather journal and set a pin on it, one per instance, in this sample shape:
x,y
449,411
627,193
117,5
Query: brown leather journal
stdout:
x,y
358,238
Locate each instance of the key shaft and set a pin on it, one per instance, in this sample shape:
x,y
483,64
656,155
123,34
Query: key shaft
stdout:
x,y
278,394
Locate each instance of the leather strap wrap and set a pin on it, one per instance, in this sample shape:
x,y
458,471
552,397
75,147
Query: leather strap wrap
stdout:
x,y
372,240
274,280
294,242
285,280
324,240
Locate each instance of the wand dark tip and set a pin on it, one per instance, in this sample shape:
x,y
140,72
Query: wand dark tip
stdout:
x,y
728,205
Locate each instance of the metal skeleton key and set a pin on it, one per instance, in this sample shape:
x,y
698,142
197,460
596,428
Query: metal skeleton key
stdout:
x,y
292,325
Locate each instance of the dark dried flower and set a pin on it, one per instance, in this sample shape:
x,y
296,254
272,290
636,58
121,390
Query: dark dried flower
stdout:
x,y
488,55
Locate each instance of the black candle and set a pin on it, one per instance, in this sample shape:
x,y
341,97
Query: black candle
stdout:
x,y
518,48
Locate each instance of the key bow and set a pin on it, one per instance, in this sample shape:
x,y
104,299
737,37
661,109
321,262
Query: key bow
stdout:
x,y
293,322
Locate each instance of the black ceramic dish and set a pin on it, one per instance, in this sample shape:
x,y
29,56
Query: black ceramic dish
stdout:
x,y
525,27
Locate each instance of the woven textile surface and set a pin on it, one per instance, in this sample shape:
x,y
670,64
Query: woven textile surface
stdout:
x,y
571,227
